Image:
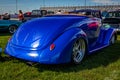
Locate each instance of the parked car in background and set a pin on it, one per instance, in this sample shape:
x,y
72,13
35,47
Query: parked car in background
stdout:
x,y
9,25
63,38
14,16
27,13
6,16
113,19
87,12
35,14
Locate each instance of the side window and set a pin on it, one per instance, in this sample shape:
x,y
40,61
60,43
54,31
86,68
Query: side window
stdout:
x,y
97,14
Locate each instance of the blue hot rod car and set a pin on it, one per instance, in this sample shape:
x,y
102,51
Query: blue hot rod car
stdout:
x,y
9,25
59,39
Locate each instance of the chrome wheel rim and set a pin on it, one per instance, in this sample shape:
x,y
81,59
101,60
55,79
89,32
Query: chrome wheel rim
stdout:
x,y
79,49
12,29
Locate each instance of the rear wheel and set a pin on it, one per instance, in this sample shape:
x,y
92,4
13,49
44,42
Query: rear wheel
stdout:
x,y
79,50
12,29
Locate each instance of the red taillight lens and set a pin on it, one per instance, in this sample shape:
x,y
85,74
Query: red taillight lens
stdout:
x,y
52,46
93,25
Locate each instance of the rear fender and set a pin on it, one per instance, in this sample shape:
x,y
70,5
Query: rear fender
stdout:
x,y
64,44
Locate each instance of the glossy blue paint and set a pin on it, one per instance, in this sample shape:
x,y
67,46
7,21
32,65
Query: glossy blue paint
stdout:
x,y
33,39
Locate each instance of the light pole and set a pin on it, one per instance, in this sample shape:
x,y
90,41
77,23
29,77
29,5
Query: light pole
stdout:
x,y
85,4
16,6
43,3
1,11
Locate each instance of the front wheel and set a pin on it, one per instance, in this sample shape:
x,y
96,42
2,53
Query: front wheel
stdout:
x,y
112,40
79,50
12,29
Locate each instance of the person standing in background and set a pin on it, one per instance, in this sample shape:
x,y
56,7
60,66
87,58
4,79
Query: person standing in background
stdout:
x,y
20,15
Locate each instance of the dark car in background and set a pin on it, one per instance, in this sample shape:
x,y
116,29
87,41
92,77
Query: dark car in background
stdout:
x,y
113,19
88,12
35,14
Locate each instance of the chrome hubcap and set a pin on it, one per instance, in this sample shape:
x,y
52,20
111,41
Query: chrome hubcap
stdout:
x,y
12,29
79,50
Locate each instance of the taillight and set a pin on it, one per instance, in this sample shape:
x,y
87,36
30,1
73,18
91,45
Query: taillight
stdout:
x,y
52,46
93,25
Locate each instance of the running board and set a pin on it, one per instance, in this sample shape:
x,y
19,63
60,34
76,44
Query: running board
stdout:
x,y
98,48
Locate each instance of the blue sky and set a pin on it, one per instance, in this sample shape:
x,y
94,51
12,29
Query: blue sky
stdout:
x,y
28,5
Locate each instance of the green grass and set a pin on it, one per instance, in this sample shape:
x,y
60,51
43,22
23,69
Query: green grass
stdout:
x,y
103,65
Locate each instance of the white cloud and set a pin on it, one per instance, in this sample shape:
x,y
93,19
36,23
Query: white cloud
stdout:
x,y
104,1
